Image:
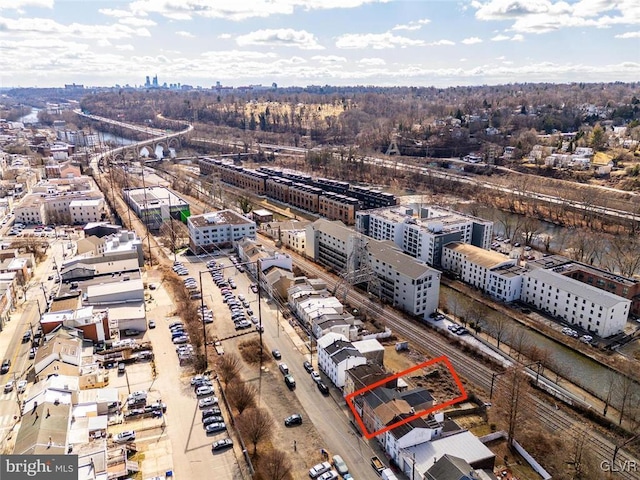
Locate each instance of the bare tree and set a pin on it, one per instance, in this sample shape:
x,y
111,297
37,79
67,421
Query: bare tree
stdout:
x,y
275,465
579,456
626,390
241,395
499,326
518,341
228,368
255,425
512,387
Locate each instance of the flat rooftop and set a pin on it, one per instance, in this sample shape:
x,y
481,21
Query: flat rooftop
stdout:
x,y
223,217
485,258
153,197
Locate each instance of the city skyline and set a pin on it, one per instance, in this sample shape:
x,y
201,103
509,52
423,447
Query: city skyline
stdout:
x,y
303,42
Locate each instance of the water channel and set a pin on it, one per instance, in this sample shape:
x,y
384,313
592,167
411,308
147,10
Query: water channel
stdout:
x,y
577,368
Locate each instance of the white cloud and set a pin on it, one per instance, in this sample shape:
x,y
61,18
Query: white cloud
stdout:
x,y
328,59
412,25
183,33
20,4
126,47
541,16
629,35
503,38
114,12
372,61
237,9
224,36
377,41
49,28
471,40
137,22
439,43
283,37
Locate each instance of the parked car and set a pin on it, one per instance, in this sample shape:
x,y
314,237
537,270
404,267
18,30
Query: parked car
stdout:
x,y
204,390
212,419
295,419
125,437
207,402
290,381
340,465
181,339
222,444
6,366
308,367
32,353
315,376
215,427
319,469
152,324
9,386
22,386
330,475
210,412
276,354
323,388
26,336
283,368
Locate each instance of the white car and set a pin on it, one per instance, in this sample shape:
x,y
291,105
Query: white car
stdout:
x,y
125,437
22,386
204,390
315,376
319,469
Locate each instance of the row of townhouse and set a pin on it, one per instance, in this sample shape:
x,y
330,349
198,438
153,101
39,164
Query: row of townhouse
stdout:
x,y
413,441
402,280
367,196
594,300
424,233
328,198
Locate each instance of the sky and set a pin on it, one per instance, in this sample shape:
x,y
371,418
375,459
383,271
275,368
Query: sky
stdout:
x,y
49,43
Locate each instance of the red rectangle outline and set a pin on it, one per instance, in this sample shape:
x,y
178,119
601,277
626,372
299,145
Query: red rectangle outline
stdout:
x,y
463,396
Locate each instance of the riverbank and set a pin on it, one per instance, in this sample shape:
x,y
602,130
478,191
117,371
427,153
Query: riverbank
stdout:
x,y
545,329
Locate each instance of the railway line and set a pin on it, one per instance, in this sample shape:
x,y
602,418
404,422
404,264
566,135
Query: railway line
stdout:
x,y
555,419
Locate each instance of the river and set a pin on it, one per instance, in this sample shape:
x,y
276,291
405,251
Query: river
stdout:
x,y
573,366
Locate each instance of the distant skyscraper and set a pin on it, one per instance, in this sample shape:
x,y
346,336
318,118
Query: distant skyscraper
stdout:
x,y
155,80
147,83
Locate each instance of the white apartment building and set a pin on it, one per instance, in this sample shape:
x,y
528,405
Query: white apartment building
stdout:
x,y
336,355
296,240
405,282
487,270
331,243
580,304
86,211
30,212
212,229
424,234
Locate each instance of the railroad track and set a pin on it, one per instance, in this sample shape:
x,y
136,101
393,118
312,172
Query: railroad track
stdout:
x,y
555,419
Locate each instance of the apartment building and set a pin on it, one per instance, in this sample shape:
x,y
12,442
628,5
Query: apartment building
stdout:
x,y
155,205
423,234
336,206
211,230
31,211
331,244
587,307
336,355
487,270
278,188
404,281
